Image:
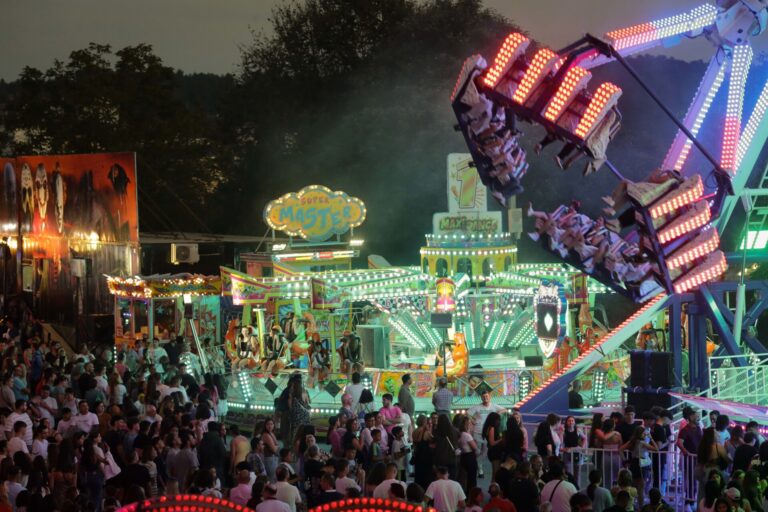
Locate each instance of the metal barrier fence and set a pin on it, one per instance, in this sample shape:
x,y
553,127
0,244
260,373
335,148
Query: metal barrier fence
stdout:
x,y
673,473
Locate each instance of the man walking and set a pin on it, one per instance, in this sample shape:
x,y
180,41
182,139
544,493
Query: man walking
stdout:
x,y
479,413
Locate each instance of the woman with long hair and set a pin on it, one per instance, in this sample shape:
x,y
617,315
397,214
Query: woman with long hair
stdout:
x,y
736,440
711,454
422,456
446,444
492,436
640,462
573,441
468,457
63,473
711,493
271,448
515,438
92,469
611,457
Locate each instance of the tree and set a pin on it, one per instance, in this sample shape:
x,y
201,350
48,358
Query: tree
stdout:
x,y
354,95
100,101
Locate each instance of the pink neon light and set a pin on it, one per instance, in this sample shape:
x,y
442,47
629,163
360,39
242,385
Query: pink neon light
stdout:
x,y
686,193
604,96
703,244
695,218
502,60
573,79
730,143
534,74
713,267
632,36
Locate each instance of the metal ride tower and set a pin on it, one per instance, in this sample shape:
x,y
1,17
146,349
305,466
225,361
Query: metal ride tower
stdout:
x,y
659,243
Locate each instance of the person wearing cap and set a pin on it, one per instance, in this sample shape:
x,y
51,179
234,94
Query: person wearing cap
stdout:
x,y
479,413
733,495
442,398
270,502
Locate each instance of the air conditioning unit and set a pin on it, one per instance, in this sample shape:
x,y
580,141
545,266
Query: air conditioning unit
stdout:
x,y
184,253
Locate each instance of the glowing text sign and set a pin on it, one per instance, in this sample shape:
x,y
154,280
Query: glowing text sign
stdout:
x,y
315,213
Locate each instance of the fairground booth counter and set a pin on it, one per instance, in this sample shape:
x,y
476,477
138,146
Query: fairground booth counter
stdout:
x,y
164,306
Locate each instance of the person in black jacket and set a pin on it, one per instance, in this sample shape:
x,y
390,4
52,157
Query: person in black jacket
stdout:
x,y
212,453
544,438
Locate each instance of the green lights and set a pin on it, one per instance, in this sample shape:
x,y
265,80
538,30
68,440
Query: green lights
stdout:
x,y
756,240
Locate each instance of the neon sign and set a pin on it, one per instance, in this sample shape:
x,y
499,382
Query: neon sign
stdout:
x,y
315,213
550,306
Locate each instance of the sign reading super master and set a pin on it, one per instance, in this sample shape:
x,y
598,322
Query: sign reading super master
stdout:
x,y
315,213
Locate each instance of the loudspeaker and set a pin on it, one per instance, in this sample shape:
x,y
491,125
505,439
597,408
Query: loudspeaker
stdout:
x,y
189,311
374,341
533,361
441,320
650,369
643,402
660,370
638,377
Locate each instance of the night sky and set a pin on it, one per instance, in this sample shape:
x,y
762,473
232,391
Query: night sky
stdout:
x,y
205,35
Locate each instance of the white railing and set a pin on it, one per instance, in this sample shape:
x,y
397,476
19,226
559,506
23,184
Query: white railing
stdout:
x,y
669,471
744,384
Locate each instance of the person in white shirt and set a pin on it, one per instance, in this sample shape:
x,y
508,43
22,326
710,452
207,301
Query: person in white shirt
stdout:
x,y
343,482
40,442
13,485
151,414
446,495
101,381
157,354
47,405
558,491
479,413
390,474
16,443
175,387
285,492
270,502
66,425
85,420
20,414
355,390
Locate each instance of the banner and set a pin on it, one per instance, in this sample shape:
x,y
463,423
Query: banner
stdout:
x,y
470,223
466,193
245,289
325,296
79,197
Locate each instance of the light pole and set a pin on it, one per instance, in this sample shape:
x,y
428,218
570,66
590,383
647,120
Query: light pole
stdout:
x,y
738,317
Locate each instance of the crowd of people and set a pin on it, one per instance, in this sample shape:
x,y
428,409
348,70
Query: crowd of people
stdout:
x,y
85,432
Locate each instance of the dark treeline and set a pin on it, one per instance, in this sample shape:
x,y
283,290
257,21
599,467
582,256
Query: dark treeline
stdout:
x,y
347,93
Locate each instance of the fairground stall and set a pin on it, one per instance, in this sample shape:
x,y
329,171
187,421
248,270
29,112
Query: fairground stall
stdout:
x,y
163,307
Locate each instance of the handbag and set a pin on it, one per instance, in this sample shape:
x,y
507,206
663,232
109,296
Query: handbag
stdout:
x,y
111,469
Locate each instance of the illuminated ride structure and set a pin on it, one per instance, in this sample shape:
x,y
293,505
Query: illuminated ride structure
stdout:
x,y
659,243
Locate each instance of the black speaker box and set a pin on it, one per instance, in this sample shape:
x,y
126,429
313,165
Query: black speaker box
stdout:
x,y
650,369
534,361
643,401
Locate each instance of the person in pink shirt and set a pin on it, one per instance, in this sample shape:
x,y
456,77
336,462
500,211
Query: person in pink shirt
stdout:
x,y
335,436
392,414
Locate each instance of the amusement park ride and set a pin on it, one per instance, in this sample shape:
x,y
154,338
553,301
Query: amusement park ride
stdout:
x,y
471,311
659,243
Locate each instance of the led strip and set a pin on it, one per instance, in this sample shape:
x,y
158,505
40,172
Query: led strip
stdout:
x,y
573,82
740,62
542,64
604,97
514,43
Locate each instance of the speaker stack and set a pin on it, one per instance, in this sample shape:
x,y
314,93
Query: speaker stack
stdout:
x,y
650,380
